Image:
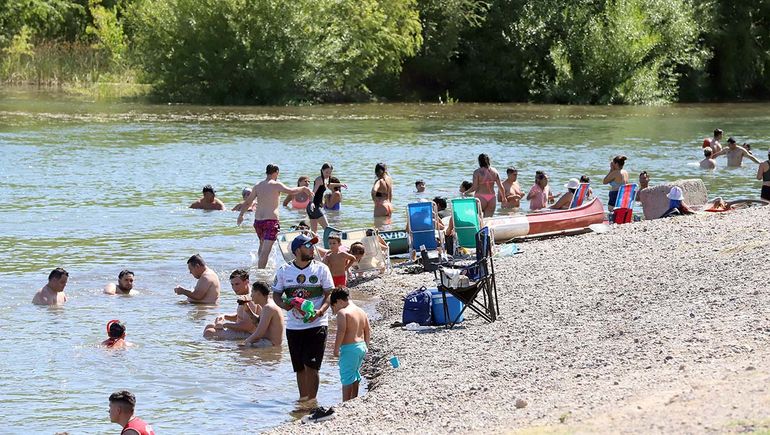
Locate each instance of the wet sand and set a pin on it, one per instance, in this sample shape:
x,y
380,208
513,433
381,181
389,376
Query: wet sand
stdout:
x,y
659,326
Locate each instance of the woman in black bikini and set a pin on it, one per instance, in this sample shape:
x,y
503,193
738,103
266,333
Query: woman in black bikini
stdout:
x,y
315,210
763,173
382,191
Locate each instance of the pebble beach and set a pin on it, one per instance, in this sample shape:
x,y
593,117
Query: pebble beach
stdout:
x,y
654,327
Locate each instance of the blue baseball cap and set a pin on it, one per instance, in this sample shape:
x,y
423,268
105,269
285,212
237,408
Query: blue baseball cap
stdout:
x,y
301,240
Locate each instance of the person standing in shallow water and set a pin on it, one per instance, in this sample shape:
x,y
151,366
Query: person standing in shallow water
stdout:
x,y
207,288
484,180
315,209
53,292
511,189
615,178
382,191
122,404
763,173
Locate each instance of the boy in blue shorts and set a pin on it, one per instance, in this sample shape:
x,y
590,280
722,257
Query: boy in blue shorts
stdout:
x,y
351,344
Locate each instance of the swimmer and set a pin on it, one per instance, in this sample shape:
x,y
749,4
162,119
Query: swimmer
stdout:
x,y
419,186
298,201
269,331
333,199
735,154
53,292
209,201
124,286
116,335
485,178
315,211
382,191
511,189
351,342
338,262
615,178
715,142
708,162
245,194
122,404
239,325
268,194
207,288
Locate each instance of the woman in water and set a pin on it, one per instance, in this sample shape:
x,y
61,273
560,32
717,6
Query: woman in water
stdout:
x,y
511,189
484,180
615,178
333,199
315,210
540,195
763,173
382,191
300,200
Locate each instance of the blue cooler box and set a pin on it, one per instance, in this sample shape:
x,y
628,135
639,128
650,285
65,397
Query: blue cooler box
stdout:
x,y
437,307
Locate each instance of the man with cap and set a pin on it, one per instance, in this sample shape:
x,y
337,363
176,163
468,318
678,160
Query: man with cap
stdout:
x,y
209,201
304,279
735,154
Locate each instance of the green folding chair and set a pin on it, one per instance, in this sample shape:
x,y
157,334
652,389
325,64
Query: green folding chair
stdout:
x,y
466,213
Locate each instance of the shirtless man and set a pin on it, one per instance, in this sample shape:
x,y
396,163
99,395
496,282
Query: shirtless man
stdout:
x,y
239,325
351,344
207,288
124,286
209,201
53,292
269,332
715,142
268,194
708,162
511,189
735,154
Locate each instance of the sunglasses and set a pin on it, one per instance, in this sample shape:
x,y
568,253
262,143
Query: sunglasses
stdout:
x,y
308,245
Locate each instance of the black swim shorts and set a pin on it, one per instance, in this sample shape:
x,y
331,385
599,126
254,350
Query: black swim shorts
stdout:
x,y
314,211
766,193
306,347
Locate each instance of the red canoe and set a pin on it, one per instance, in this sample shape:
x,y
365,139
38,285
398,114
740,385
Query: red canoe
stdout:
x,y
550,222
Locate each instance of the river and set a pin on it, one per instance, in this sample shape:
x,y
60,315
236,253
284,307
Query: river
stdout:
x,y
99,187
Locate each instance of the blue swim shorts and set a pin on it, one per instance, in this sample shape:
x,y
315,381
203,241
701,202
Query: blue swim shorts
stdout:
x,y
351,359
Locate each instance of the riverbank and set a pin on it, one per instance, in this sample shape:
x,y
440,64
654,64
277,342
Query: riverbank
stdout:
x,y
657,326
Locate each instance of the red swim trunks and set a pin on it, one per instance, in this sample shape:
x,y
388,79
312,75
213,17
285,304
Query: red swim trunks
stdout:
x,y
267,229
340,281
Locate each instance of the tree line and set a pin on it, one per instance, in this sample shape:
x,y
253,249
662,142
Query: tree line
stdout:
x,y
278,51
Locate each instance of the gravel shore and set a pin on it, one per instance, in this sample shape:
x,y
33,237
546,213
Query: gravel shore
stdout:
x,y
658,326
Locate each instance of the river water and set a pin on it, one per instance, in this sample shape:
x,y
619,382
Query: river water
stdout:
x,y
96,187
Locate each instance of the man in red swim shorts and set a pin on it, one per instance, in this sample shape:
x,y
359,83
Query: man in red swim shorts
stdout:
x,y
267,193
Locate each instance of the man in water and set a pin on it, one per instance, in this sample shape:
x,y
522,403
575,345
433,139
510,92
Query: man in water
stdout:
x,y
268,194
53,292
122,404
209,201
207,288
239,325
307,279
124,285
708,162
735,154
419,185
269,331
715,142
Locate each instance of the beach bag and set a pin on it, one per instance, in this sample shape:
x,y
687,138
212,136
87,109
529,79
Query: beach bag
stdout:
x,y
622,215
417,307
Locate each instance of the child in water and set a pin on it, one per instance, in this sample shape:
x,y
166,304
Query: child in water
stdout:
x,y
351,342
339,262
116,332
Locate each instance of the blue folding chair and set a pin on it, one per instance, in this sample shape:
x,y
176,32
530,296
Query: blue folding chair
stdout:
x,y
422,226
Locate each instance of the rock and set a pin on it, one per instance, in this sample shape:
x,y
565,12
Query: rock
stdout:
x,y
655,203
520,403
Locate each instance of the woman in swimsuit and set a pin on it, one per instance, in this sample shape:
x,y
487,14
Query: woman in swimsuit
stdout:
x,y
511,189
382,191
615,178
333,199
484,180
763,173
300,200
314,208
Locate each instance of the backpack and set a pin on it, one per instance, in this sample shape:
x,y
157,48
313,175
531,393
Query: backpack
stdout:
x,y
417,307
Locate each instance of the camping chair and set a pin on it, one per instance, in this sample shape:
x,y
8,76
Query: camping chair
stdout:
x,y
467,217
374,259
580,195
348,237
481,275
624,205
284,240
424,234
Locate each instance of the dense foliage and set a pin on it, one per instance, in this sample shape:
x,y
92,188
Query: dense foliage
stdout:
x,y
274,51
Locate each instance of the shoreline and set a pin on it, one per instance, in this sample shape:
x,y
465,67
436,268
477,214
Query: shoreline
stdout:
x,y
654,352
